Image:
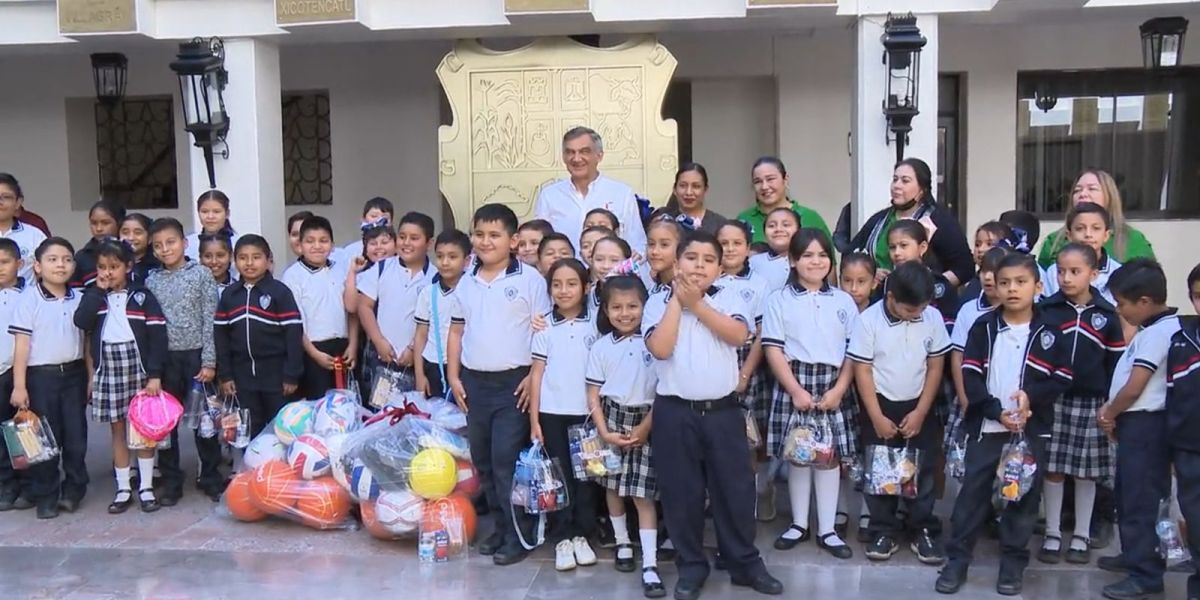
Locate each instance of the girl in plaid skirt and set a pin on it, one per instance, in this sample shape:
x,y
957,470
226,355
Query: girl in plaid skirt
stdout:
x,y
620,390
755,383
1077,446
128,342
805,330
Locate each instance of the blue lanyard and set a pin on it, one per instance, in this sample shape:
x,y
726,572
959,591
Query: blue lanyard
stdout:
x,y
436,325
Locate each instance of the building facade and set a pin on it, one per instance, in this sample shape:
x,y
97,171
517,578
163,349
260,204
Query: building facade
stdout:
x,y
332,102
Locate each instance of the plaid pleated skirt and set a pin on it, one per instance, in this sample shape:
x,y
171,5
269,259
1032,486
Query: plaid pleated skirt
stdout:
x,y
817,379
638,479
1077,445
118,378
759,390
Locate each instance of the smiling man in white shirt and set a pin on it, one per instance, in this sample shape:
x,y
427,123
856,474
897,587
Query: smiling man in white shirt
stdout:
x,y
566,202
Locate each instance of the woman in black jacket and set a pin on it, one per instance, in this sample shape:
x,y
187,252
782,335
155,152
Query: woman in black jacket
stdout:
x,y
912,198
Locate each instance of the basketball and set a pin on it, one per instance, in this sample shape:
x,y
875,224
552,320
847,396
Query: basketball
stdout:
x,y
321,503
335,413
432,473
269,487
238,501
399,513
449,514
265,447
362,484
293,420
309,456
468,479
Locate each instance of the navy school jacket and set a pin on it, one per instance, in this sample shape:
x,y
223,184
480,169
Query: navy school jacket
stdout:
x,y
1093,340
85,266
145,319
945,299
259,335
1047,373
1183,386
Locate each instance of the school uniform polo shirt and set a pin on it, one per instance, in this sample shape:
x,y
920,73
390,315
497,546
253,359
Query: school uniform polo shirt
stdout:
x,y
812,327
496,316
27,238
9,297
395,290
318,294
1148,350
565,208
623,369
773,267
1108,266
116,329
564,346
702,366
433,352
1005,369
968,313
753,288
897,349
50,324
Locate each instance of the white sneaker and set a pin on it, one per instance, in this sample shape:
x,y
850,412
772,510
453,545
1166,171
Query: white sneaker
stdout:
x,y
564,556
584,556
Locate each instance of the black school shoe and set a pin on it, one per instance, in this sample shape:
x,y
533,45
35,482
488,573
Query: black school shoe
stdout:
x,y
119,506
47,509
688,590
652,589
762,583
68,505
1010,582
493,543
624,565
951,579
1128,589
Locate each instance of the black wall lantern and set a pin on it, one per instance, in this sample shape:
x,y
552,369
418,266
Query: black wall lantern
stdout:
x,y
109,73
902,43
1162,41
1044,98
202,78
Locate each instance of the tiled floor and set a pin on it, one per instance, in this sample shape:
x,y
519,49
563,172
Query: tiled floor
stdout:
x,y
193,551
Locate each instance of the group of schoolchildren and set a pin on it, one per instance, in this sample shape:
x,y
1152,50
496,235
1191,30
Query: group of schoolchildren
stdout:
x,y
673,352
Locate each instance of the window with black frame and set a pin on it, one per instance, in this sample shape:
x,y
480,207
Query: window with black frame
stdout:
x,y
307,149
1139,125
135,151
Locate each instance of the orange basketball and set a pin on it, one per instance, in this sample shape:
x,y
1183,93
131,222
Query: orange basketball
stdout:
x,y
269,487
321,503
371,522
445,513
238,501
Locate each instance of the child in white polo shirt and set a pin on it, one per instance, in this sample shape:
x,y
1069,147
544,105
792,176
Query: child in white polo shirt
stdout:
x,y
781,224
899,346
694,329
553,247
450,252
26,236
49,376
489,352
558,400
318,283
11,286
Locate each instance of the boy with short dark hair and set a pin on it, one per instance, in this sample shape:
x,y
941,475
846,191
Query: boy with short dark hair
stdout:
x,y
188,295
432,314
898,346
11,285
489,356
1135,415
529,237
318,283
1014,369
1183,421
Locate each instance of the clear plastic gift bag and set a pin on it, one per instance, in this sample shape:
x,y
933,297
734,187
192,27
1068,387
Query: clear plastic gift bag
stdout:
x,y
538,483
29,439
235,424
136,441
1170,543
155,417
753,435
810,442
591,456
891,471
445,530
1016,472
956,459
386,380
195,406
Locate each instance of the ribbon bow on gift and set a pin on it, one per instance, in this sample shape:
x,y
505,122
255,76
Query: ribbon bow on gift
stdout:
x,y
395,413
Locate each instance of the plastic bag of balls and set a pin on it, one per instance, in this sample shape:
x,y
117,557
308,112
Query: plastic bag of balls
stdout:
x,y
810,443
1016,472
1170,543
891,471
439,410
277,489
591,456
538,484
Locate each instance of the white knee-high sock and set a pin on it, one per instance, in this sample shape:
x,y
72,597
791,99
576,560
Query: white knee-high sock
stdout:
x,y
826,482
620,527
123,478
1085,501
146,468
649,538
1052,496
800,490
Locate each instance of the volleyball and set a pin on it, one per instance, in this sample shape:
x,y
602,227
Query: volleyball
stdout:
x,y
399,513
361,483
293,420
264,448
309,456
432,473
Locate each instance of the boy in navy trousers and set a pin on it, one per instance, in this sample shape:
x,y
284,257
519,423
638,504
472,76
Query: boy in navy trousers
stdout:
x,y
1135,415
489,356
1183,421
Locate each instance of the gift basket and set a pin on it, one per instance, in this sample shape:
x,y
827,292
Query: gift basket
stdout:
x,y
810,442
154,417
1170,543
29,439
891,471
1016,472
591,456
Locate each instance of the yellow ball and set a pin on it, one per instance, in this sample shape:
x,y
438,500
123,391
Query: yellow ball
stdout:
x,y
433,474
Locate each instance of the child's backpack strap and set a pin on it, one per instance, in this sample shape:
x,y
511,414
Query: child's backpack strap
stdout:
x,y
436,325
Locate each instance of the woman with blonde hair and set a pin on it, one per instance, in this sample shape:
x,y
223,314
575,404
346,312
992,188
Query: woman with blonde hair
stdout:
x,y
1095,185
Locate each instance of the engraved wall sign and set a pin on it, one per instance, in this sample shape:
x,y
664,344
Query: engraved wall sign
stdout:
x,y
97,16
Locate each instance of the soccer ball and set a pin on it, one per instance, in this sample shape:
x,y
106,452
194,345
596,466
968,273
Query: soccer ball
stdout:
x,y
399,513
293,420
264,448
335,413
309,456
